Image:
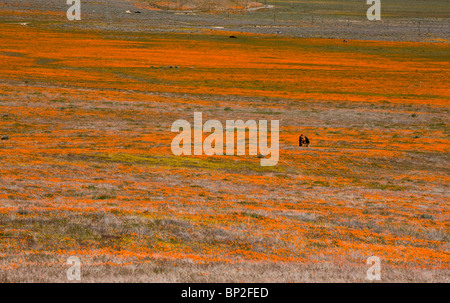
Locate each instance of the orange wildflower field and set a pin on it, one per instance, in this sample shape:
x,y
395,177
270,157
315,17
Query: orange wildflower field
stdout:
x,y
87,169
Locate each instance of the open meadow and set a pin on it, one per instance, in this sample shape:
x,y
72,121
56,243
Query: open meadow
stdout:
x,y
86,167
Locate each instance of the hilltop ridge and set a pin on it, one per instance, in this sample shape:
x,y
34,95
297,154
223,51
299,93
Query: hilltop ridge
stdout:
x,y
205,5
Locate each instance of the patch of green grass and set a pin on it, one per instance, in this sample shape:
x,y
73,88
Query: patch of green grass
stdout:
x,y
103,197
376,185
222,163
252,215
246,203
322,183
80,232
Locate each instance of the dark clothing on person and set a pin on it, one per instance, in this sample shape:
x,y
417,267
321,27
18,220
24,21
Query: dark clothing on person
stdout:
x,y
306,141
303,140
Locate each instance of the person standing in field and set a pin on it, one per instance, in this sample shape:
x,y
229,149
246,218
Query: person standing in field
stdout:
x,y
300,140
306,141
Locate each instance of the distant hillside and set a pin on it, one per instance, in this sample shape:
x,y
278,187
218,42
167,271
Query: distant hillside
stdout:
x,y
296,10
204,5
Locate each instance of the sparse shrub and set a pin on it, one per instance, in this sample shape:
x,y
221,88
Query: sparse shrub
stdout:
x,y
103,197
426,217
23,212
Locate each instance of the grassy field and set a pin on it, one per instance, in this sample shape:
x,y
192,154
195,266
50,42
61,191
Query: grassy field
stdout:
x,y
88,171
